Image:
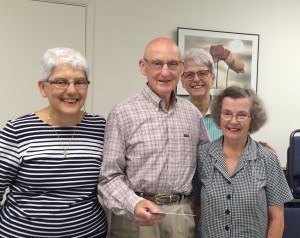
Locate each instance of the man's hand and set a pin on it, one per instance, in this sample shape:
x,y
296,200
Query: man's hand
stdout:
x,y
143,213
265,144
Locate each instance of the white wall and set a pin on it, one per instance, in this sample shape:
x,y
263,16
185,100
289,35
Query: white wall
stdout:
x,y
124,27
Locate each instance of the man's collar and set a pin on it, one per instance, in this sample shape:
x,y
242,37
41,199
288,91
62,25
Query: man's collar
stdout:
x,y
156,100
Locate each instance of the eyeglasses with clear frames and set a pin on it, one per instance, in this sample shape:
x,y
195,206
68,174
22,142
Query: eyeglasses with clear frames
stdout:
x,y
201,74
64,83
159,64
240,116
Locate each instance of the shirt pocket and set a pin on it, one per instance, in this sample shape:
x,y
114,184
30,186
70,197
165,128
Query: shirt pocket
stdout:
x,y
258,177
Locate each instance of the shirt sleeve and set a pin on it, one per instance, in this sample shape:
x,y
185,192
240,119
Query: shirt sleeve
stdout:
x,y
196,184
278,191
9,158
202,152
113,182
203,139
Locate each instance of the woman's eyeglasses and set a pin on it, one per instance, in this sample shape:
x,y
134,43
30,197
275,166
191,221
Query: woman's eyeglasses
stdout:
x,y
64,83
201,74
240,116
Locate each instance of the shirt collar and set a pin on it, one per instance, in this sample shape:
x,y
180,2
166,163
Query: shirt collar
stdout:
x,y
248,153
208,111
156,100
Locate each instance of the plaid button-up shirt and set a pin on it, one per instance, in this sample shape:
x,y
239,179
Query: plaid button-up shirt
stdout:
x,y
148,149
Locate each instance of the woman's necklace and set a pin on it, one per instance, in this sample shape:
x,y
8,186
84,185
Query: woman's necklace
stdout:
x,y
65,149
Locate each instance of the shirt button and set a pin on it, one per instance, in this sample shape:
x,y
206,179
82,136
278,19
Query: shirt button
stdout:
x,y
227,212
228,197
229,182
227,228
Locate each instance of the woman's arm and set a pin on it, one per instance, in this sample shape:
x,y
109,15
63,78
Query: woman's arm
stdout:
x,y
276,221
9,157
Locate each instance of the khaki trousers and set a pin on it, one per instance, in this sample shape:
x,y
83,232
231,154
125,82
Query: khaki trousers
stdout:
x,y
172,226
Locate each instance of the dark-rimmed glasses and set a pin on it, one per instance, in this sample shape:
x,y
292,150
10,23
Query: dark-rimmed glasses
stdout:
x,y
159,64
64,83
240,116
201,74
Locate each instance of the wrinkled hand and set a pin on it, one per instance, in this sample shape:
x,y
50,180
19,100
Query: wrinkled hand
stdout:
x,y
143,215
265,144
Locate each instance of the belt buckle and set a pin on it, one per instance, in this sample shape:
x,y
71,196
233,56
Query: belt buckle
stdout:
x,y
165,196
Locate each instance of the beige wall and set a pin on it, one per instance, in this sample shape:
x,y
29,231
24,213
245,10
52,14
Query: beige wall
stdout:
x,y
122,28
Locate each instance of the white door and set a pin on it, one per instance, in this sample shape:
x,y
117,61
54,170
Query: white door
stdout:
x,y
27,29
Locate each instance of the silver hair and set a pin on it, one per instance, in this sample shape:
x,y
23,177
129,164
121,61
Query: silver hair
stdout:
x,y
199,56
62,56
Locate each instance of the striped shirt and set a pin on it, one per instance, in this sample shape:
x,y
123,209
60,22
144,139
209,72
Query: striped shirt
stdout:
x,y
51,195
236,206
148,149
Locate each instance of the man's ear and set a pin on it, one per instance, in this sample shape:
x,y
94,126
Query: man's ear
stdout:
x,y
183,82
41,85
182,68
142,67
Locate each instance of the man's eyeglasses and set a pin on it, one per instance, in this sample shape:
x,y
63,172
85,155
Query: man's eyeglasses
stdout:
x,y
64,83
240,116
202,74
158,64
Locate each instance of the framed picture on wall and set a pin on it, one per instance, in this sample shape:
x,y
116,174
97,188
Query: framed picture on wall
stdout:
x,y
235,55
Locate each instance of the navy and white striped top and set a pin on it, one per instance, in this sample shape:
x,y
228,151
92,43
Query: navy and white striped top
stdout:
x,y
51,195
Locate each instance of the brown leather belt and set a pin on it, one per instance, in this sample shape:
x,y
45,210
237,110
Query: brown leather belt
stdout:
x,y
161,198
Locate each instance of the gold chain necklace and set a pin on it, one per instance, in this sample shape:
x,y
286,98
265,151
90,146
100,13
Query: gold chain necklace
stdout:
x,y
65,149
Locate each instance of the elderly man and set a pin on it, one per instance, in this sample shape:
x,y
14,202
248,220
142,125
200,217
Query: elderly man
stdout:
x,y
150,152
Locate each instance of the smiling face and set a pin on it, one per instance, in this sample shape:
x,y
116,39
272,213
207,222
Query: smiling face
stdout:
x,y
64,102
198,87
233,129
161,81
